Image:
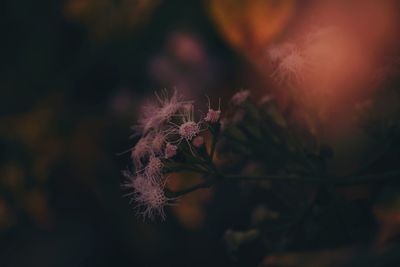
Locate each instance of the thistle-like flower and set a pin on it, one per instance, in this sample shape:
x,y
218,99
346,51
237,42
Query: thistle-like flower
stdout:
x,y
153,115
170,150
153,170
162,128
157,142
212,114
140,151
187,128
149,197
198,141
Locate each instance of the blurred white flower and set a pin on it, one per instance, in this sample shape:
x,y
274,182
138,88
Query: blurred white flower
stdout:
x,y
277,52
291,68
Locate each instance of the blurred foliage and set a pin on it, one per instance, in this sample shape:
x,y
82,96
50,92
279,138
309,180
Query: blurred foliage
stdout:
x,y
107,17
301,224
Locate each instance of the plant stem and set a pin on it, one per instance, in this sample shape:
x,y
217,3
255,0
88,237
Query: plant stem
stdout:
x,y
187,169
349,180
206,184
213,145
273,178
369,178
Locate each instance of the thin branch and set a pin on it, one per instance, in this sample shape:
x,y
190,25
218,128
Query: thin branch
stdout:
x,y
188,190
187,169
273,178
303,179
369,178
213,145
349,180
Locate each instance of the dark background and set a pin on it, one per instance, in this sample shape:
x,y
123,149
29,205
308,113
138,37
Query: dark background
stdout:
x,y
70,83
73,76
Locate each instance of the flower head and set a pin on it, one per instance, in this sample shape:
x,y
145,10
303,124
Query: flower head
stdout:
x,y
212,114
188,130
149,197
153,115
153,169
157,142
152,199
198,141
140,151
170,150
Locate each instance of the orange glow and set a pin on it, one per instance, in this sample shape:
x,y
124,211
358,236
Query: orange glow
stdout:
x,y
190,211
345,66
348,66
250,25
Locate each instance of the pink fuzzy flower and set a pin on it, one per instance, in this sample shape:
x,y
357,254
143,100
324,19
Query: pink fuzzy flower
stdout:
x,y
198,141
240,97
150,144
213,115
130,180
157,143
170,150
149,197
153,169
140,151
188,130
153,115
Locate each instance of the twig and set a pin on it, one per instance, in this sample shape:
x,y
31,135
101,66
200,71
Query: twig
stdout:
x,y
206,184
343,181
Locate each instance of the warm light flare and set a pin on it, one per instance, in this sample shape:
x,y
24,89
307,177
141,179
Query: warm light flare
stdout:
x,y
344,49
250,25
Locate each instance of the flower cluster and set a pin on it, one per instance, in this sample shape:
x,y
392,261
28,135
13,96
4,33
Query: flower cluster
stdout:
x,y
166,128
172,138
